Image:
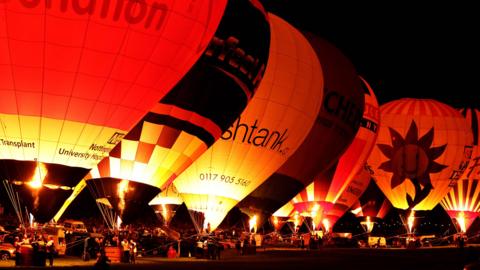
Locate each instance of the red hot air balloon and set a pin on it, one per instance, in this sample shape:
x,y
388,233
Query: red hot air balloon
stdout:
x,y
420,153
462,203
75,76
191,117
335,186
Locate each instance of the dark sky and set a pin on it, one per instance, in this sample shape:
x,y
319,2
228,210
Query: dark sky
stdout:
x,y
404,49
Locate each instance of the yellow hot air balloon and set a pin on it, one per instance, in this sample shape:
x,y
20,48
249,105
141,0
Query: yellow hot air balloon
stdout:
x,y
269,130
420,152
75,76
462,203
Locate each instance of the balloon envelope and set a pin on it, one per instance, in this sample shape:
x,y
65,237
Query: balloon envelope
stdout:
x,y
269,130
337,188
420,152
75,77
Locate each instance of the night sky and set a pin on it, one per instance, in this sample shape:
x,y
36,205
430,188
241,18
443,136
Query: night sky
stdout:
x,y
403,49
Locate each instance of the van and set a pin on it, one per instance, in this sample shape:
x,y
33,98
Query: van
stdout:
x,y
74,226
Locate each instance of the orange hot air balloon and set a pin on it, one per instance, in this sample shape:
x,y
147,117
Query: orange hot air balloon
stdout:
x,y
420,152
462,203
75,76
371,207
270,129
191,117
166,204
324,143
329,186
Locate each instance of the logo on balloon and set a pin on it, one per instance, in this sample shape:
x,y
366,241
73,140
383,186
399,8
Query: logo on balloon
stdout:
x,y
412,158
340,106
132,11
237,60
116,138
261,137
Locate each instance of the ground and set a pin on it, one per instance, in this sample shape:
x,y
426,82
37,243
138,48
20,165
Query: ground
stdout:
x,y
391,259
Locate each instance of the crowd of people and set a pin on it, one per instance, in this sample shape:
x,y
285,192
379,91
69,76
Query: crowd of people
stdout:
x,y
34,249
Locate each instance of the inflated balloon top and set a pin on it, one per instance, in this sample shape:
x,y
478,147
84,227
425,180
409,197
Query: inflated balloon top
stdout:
x,y
77,75
421,152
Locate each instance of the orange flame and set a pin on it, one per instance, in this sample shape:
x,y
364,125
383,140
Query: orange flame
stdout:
x,y
296,220
39,176
326,224
121,191
252,224
165,214
411,220
275,221
461,222
368,224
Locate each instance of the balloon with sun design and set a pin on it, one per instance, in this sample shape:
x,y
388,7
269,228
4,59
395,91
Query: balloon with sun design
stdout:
x,y
420,152
412,158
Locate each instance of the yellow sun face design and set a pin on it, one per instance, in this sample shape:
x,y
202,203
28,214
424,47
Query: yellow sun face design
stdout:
x,y
412,158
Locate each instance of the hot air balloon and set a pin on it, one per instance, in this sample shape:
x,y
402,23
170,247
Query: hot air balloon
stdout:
x,y
420,153
269,130
301,168
190,118
371,207
166,204
462,203
75,76
337,188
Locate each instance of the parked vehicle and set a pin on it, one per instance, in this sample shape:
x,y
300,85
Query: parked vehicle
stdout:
x,y
74,226
7,251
